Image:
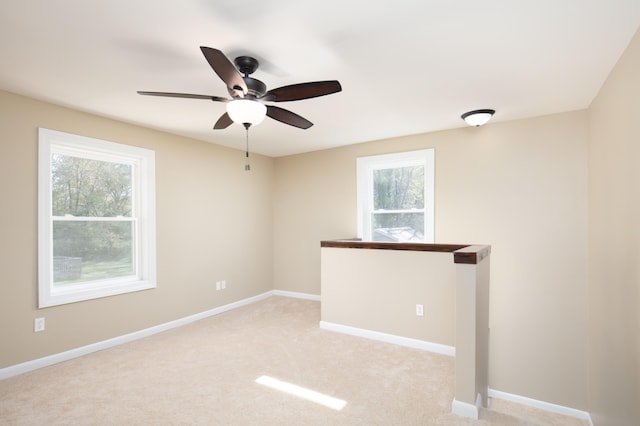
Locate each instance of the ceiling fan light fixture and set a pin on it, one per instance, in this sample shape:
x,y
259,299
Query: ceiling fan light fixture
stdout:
x,y
243,111
478,117
248,94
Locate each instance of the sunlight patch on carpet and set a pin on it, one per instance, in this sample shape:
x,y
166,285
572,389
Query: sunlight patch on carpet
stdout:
x,y
308,394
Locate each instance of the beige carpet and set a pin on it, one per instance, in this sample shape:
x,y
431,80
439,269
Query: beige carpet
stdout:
x,y
205,373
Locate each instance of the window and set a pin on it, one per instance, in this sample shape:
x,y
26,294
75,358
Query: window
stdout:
x,y
96,218
396,197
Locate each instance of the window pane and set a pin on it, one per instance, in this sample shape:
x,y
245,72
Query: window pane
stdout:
x,y
90,188
87,250
403,227
400,188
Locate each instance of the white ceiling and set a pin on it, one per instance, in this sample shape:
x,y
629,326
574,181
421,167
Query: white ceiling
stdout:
x,y
406,66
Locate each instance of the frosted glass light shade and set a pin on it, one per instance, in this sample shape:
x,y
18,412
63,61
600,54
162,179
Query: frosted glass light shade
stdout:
x,y
246,111
477,117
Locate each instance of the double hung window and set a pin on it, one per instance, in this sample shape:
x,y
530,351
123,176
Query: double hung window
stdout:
x,y
396,197
96,225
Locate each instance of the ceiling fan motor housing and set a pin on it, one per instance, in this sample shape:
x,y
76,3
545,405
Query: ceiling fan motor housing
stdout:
x,y
256,88
248,65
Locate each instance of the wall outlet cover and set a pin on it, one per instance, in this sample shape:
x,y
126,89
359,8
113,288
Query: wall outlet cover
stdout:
x,y
38,324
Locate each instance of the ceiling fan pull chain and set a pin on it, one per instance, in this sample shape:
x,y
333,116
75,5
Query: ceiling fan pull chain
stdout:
x,y
247,167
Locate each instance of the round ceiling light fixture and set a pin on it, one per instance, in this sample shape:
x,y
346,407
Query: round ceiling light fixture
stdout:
x,y
478,117
246,111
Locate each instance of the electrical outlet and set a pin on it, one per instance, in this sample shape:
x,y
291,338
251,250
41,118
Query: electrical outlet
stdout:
x,y
420,310
218,285
224,284
38,324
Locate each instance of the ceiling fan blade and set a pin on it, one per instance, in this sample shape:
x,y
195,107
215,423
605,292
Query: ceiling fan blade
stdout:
x,y
300,91
223,122
225,70
287,117
185,95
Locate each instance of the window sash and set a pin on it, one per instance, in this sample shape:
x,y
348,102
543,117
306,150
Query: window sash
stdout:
x,y
384,211
133,254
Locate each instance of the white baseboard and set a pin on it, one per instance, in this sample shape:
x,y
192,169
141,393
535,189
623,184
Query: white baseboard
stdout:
x,y
547,406
296,295
389,338
466,409
46,361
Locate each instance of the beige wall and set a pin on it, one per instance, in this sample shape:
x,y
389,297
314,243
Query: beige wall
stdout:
x,y
387,285
519,186
213,222
614,245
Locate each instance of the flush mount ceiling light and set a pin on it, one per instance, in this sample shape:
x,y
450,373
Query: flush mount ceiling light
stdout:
x,y
477,117
246,112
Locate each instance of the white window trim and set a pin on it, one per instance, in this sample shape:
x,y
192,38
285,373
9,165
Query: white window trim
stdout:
x,y
365,167
143,161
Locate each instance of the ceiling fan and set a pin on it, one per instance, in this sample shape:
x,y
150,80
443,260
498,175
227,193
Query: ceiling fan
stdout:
x,y
248,95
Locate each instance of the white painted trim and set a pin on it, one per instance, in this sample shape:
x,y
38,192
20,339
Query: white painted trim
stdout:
x,y
465,409
390,338
296,295
46,361
547,406
142,162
